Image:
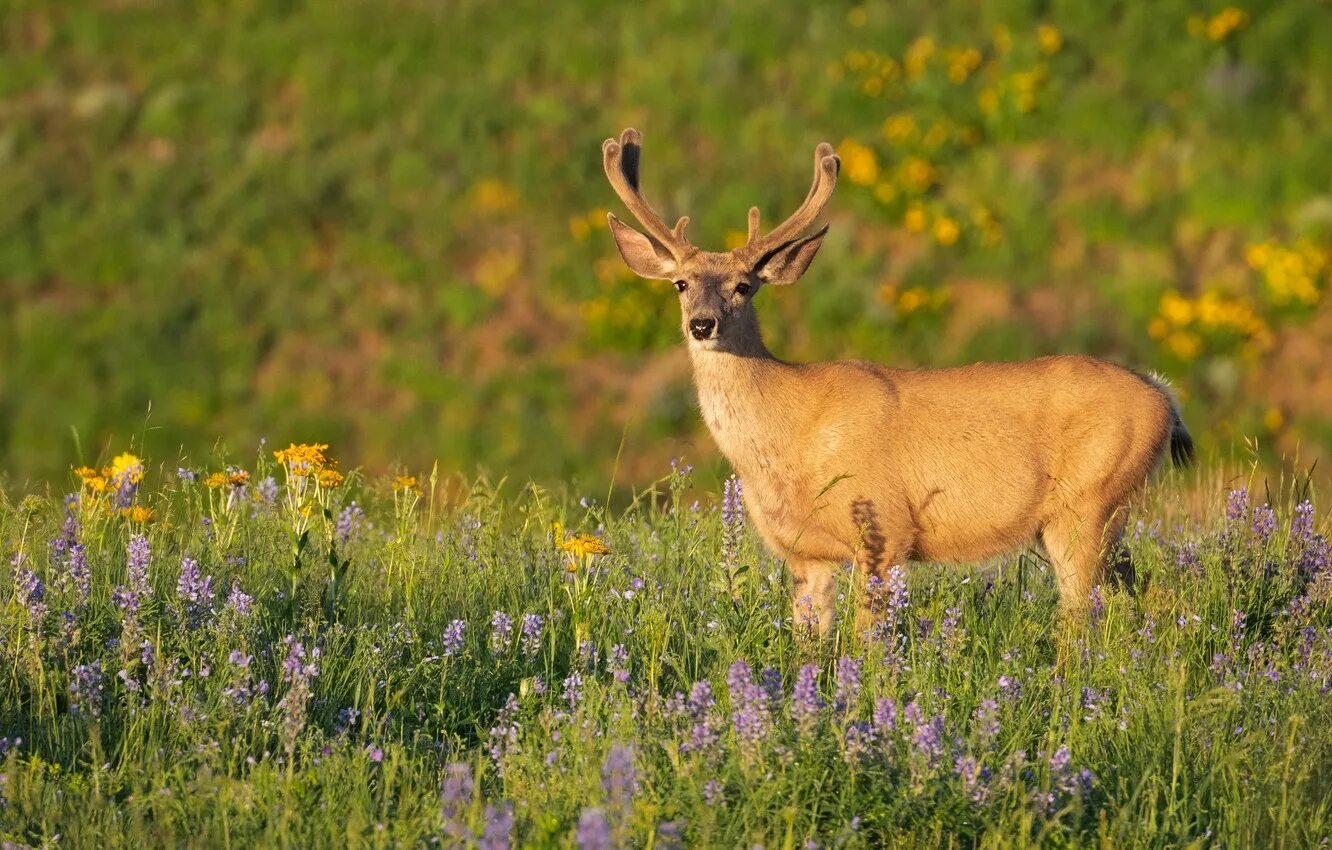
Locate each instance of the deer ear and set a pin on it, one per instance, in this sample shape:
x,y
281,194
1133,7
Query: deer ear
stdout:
x,y
788,261
645,256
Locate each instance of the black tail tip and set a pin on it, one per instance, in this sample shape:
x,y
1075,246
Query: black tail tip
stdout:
x,y
1181,446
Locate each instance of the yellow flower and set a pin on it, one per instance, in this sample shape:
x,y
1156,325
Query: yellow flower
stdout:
x,y
92,479
917,173
126,467
492,195
912,300
583,544
988,101
1049,39
579,229
946,230
918,55
961,62
329,478
1184,345
304,458
1176,309
916,219
1225,22
885,192
857,16
138,513
405,482
1274,419
216,480
859,162
899,128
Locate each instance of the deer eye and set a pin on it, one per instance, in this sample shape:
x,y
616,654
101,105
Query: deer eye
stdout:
x,y
681,286
743,288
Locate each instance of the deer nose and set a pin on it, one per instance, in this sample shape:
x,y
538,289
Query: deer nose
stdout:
x,y
702,328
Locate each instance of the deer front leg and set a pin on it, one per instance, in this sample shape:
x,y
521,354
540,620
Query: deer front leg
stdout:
x,y
813,595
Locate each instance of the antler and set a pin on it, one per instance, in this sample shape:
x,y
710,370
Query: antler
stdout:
x,y
621,162
826,166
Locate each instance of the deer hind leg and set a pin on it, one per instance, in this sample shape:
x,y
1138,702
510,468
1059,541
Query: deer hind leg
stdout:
x,y
813,594
1082,545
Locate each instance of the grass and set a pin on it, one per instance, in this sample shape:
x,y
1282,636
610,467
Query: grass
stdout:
x,y
263,664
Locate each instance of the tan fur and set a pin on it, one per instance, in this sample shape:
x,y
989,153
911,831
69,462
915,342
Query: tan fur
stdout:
x,y
861,462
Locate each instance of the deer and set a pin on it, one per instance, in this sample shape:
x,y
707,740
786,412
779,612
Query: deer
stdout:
x,y
852,461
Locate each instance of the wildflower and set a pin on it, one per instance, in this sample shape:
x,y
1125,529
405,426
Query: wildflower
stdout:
x,y
712,793
1264,522
85,689
733,519
847,684
619,778
986,723
749,711
1237,505
501,632
573,689
704,735
580,545
1010,688
498,830
504,734
351,519
1049,38
532,630
946,231
1097,609
618,662
239,603
303,459
298,669
884,716
593,832
805,702
125,474
187,475
195,591
31,594
266,491
927,738
975,778
405,483
456,795
859,741
138,513
329,478
453,638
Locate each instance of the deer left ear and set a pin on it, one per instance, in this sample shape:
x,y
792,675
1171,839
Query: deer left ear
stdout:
x,y
789,260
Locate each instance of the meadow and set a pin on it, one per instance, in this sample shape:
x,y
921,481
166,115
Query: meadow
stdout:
x,y
384,221
277,652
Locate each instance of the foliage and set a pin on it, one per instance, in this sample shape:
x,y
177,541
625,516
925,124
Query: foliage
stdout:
x,y
286,658
384,222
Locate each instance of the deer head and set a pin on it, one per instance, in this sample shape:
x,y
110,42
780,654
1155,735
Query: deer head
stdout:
x,y
716,289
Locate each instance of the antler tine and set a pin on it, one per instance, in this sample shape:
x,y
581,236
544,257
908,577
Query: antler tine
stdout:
x,y
621,162
826,167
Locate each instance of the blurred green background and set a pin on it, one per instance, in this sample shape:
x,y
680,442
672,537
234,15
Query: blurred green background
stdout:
x,y
382,224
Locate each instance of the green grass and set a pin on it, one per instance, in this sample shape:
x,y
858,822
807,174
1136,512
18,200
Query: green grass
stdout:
x,y
380,221
1199,705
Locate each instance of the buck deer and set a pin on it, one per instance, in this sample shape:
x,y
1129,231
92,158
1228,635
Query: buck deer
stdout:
x,y
853,461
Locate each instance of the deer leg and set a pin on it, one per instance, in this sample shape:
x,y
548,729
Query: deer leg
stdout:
x,y
813,594
1080,545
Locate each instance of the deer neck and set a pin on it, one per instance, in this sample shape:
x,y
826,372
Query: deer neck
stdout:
x,y
741,392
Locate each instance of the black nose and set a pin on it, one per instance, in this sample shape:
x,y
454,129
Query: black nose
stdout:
x,y
702,328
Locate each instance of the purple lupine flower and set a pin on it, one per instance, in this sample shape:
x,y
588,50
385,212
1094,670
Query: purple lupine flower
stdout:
x,y
85,689
618,662
593,832
1264,522
239,603
1237,505
951,632
573,690
1062,776
733,519
31,594
770,680
885,716
1189,558
588,655
298,669
453,638
533,628
847,684
1092,701
619,778
501,632
1096,611
805,702
456,798
986,723
927,737
704,734
713,793
504,734
351,520
860,739
749,710
497,834
195,591
136,590
1302,523
187,475
975,778
891,598
1009,688
670,836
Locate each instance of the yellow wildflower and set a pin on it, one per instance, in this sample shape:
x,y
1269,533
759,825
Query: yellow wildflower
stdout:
x,y
405,482
916,219
1049,39
581,545
918,55
917,173
304,458
1176,309
1225,22
899,128
857,16
1184,345
329,478
885,192
946,230
912,300
138,513
238,478
859,162
216,480
988,101
579,229
1274,419
126,467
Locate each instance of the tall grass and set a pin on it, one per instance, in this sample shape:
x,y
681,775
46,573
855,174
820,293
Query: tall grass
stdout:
x,y
283,663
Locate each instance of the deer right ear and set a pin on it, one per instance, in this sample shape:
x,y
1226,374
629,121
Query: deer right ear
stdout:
x,y
644,255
